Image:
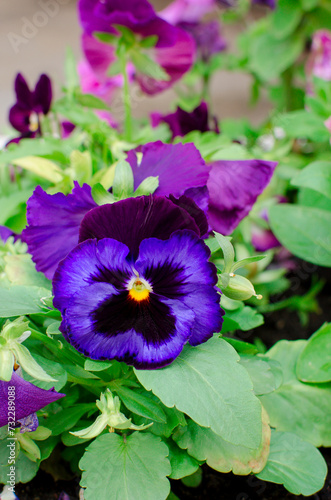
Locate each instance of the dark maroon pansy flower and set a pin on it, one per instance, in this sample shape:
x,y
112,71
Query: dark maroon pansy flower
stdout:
x,y
174,49
28,398
24,116
139,285
183,122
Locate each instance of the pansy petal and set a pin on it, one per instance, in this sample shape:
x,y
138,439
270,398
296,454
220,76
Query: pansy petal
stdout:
x,y
178,166
187,10
5,233
54,225
23,93
42,95
195,212
89,18
233,189
132,220
179,270
98,54
175,59
90,262
28,398
19,118
102,326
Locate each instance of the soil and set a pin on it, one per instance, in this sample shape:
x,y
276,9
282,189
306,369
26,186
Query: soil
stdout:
x,y
278,325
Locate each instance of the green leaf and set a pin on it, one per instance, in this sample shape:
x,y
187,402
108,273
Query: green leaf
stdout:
x,y
270,56
133,467
316,176
106,37
72,78
304,124
81,163
96,366
310,198
9,205
20,270
204,445
294,406
21,300
314,363
54,369
207,383
304,231
182,464
244,318
100,195
266,374
242,347
228,251
285,18
147,186
297,465
65,419
145,65
25,469
90,101
123,180
245,262
141,405
309,4
41,167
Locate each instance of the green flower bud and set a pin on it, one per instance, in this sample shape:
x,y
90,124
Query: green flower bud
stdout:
x,y
239,288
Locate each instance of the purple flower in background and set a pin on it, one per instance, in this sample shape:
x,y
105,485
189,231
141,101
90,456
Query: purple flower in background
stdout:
x,y
24,116
5,233
189,11
267,3
99,85
319,60
28,398
263,238
182,122
233,187
207,37
54,221
174,49
139,285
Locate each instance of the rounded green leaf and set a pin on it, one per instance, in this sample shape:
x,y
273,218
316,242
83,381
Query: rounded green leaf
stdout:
x,y
133,467
298,465
316,176
303,409
304,231
314,363
207,383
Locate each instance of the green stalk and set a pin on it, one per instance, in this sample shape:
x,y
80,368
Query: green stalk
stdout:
x,y
127,102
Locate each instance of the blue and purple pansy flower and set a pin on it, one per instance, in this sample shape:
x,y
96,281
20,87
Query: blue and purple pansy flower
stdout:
x,y
139,285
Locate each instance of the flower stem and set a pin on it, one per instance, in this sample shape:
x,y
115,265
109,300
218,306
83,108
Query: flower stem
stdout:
x,y
127,102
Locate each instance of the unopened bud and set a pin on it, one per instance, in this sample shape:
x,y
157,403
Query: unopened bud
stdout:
x,y
239,288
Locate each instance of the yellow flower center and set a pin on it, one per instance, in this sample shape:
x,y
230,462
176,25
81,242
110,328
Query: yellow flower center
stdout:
x,y
33,122
139,289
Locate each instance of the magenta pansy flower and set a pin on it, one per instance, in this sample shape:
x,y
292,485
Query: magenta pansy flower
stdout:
x,y
319,60
174,48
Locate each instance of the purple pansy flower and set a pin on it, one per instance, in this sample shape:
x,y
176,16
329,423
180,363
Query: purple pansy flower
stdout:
x,y
24,116
207,36
174,50
263,239
28,398
54,221
139,285
319,61
182,122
